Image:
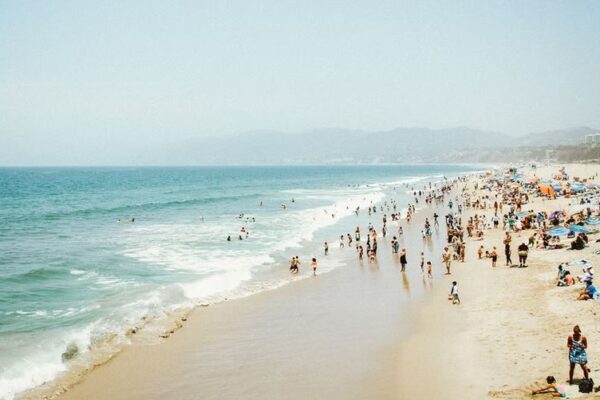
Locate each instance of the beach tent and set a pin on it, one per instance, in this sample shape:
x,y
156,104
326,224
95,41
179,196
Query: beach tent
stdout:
x,y
556,187
578,188
558,232
546,189
578,229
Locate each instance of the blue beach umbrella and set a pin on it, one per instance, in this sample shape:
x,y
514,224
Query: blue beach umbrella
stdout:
x,y
578,188
578,228
559,232
593,221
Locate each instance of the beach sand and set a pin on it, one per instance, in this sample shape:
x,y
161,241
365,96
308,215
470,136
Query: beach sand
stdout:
x,y
369,331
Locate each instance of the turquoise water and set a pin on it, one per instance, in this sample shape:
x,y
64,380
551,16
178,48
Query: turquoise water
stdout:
x,y
74,269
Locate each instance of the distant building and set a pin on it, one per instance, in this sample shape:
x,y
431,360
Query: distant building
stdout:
x,y
593,139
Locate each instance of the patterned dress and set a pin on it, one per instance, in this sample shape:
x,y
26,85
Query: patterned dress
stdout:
x,y
577,354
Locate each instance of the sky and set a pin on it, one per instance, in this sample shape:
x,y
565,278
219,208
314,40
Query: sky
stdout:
x,y
81,80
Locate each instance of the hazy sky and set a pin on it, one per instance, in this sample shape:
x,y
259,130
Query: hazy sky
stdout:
x,y
79,77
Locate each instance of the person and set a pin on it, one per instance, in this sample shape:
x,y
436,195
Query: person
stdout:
x,y
589,292
360,252
556,390
326,248
422,262
523,252
229,238
341,241
454,293
429,269
480,252
403,261
577,343
447,258
494,256
313,264
293,266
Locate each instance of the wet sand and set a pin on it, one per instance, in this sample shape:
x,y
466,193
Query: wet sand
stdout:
x,y
323,337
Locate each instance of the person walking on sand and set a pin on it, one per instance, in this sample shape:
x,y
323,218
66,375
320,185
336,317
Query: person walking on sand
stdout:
x,y
422,262
494,256
523,252
507,251
480,252
313,264
577,344
447,259
454,293
403,261
429,269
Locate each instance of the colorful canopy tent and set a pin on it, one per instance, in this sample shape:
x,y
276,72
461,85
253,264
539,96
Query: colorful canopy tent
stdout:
x,y
559,232
578,229
546,189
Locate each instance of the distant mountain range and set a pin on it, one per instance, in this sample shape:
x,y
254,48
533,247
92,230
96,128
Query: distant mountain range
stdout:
x,y
337,146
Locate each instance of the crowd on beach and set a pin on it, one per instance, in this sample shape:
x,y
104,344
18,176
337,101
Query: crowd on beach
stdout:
x,y
475,206
492,201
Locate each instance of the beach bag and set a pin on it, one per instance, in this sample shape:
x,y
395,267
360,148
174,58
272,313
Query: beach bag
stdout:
x,y
586,385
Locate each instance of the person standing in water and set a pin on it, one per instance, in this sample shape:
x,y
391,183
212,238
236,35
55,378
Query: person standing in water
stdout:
x,y
422,262
313,264
326,248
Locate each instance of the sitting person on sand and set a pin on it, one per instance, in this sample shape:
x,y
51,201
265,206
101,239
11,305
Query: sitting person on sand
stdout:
x,y
556,390
569,280
589,292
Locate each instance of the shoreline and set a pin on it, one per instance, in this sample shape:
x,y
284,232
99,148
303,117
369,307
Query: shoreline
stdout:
x,y
173,324
419,346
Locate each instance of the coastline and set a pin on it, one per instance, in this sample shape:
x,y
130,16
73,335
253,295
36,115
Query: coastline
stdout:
x,y
273,305
360,331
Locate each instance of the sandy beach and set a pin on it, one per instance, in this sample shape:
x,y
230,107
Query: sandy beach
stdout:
x,y
370,331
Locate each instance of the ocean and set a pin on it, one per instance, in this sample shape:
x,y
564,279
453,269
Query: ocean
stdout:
x,y
87,254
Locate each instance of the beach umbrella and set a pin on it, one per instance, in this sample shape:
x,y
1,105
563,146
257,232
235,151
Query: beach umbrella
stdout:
x,y
593,221
555,214
578,188
578,229
558,232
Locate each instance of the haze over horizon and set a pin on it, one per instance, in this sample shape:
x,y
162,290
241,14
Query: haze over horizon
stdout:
x,y
95,82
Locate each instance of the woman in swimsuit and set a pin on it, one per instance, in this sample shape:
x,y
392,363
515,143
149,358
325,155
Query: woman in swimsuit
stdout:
x,y
577,343
494,257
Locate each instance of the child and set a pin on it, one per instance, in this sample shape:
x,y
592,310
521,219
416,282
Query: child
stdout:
x,y
454,293
556,390
314,266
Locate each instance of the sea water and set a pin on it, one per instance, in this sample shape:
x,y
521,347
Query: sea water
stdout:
x,y
86,254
